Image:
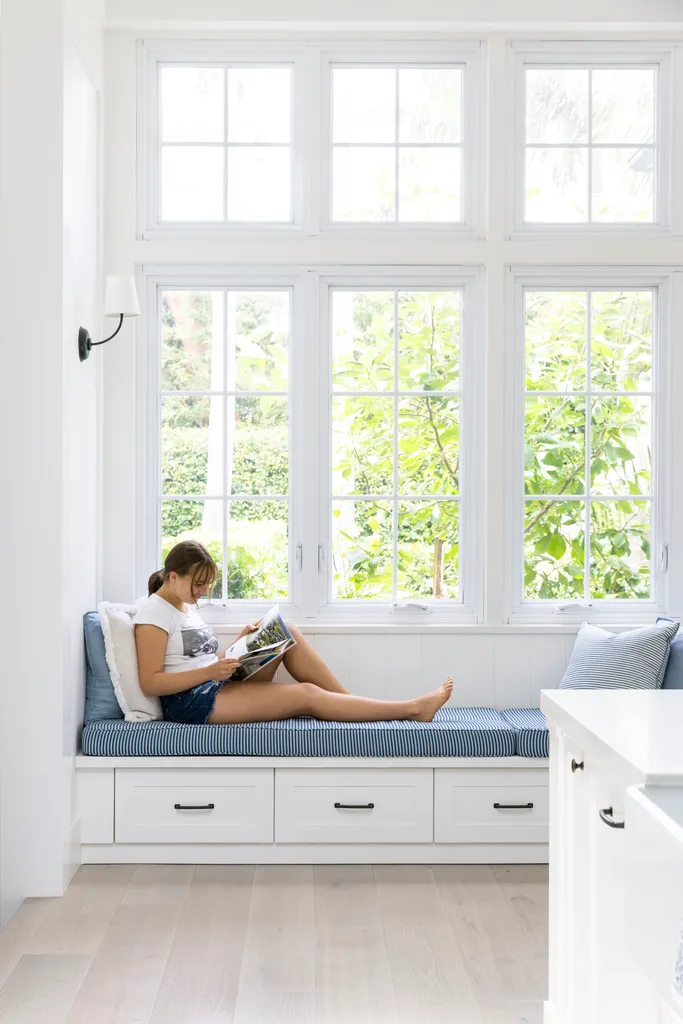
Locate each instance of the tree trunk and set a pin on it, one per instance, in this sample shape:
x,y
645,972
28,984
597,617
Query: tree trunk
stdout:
x,y
438,568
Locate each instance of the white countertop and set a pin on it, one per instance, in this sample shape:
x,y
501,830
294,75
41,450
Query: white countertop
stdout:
x,y
642,728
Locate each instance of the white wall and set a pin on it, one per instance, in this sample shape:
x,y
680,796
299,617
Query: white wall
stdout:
x,y
502,12
50,77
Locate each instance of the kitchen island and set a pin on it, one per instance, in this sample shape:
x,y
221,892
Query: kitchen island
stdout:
x,y
616,855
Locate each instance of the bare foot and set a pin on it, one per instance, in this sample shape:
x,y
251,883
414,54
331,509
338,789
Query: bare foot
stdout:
x,y
431,702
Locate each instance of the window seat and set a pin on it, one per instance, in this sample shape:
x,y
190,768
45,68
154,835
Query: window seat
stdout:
x,y
455,732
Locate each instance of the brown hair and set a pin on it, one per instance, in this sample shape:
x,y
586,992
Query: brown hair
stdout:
x,y
188,558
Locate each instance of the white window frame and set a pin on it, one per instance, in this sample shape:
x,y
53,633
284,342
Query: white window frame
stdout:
x,y
154,54
309,454
153,280
523,55
470,607
521,279
471,58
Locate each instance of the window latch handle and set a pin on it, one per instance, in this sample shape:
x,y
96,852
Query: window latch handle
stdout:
x,y
299,557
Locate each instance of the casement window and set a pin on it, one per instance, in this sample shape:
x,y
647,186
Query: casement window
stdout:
x,y
302,140
220,423
590,441
592,138
373,510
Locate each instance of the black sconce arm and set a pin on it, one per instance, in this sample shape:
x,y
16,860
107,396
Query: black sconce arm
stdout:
x,y
85,343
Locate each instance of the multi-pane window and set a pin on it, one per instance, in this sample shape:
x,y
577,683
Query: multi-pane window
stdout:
x,y
397,140
588,452
395,441
224,144
225,357
591,145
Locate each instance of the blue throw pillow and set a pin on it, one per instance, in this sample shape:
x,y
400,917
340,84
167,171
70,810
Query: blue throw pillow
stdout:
x,y
673,677
634,660
100,699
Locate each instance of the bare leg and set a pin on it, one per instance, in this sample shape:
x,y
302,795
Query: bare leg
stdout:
x,y
248,702
306,666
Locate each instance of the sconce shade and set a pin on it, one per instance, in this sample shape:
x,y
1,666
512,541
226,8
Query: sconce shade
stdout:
x,y
120,297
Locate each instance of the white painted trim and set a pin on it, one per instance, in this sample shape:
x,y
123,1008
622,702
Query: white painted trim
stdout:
x,y
84,762
549,1014
519,279
659,55
314,853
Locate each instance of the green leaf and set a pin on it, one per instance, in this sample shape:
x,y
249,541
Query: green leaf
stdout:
x,y
557,546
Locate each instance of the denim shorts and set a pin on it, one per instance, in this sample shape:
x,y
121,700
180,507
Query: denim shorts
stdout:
x,y
191,706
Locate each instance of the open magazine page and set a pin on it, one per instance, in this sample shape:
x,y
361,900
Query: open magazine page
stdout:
x,y
255,650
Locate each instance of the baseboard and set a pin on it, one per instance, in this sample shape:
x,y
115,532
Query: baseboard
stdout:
x,y
318,853
549,1015
72,853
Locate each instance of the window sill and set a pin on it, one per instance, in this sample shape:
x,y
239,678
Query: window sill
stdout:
x,y
454,629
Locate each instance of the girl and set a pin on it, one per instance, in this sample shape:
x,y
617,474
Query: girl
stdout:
x,y
178,661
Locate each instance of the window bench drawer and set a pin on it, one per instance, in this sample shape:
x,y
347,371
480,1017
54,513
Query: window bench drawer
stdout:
x,y
354,805
192,805
509,806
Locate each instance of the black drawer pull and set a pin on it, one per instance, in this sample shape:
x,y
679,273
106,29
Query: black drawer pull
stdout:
x,y
577,765
194,807
606,815
357,807
513,807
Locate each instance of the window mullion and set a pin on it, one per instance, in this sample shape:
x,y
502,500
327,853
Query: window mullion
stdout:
x,y
394,517
396,149
226,72
590,147
587,452
224,538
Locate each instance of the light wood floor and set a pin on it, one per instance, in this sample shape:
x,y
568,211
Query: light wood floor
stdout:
x,y
281,945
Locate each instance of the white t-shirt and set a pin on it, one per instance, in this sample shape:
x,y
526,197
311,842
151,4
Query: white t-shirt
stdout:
x,y
191,643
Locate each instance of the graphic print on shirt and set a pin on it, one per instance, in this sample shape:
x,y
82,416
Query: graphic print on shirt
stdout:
x,y
199,641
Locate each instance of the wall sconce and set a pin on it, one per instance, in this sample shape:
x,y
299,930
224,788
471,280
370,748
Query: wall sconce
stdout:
x,y
120,300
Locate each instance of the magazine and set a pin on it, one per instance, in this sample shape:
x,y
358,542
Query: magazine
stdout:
x,y
255,650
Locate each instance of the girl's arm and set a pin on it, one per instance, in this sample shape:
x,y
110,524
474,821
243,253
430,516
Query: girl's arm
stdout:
x,y
150,642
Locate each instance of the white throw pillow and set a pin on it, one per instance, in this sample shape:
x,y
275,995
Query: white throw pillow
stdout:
x,y
122,659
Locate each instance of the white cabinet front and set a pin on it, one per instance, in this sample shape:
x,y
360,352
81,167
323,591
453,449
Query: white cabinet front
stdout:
x,y
490,806
354,805
194,805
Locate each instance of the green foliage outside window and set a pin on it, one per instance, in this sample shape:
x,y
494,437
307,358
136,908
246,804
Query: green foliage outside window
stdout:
x,y
616,472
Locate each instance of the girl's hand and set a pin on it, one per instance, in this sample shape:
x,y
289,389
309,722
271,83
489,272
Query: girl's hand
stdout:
x,y
249,629
222,669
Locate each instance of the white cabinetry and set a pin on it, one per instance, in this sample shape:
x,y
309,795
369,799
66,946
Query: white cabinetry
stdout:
x,y
313,810
594,976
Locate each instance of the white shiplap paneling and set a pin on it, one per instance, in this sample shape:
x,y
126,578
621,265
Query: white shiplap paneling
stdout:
x,y
489,670
512,676
548,660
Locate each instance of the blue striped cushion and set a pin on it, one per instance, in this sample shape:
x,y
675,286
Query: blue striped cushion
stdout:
x,y
634,660
531,731
455,732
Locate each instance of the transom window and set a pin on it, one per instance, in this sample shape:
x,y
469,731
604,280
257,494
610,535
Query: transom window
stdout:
x,y
588,443
397,136
225,141
590,144
395,465
225,478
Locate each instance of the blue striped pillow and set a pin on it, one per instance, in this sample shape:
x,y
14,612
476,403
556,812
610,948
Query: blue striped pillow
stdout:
x,y
635,660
